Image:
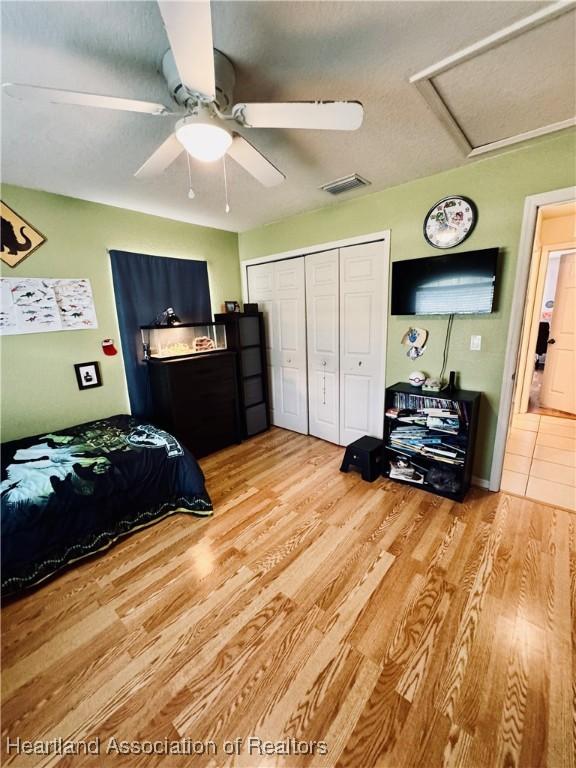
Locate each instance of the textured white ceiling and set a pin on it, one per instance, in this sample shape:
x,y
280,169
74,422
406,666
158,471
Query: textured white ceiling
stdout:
x,y
281,51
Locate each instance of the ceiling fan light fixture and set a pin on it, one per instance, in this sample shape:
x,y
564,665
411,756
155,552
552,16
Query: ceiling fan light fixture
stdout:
x,y
203,140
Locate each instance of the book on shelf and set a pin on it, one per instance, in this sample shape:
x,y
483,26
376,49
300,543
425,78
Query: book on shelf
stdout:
x,y
416,418
428,453
441,452
428,405
422,440
403,470
417,439
444,423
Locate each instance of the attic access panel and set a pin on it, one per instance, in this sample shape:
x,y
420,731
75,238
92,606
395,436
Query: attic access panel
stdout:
x,y
519,86
516,84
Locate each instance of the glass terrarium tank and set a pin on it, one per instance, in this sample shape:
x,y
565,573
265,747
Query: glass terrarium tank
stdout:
x,y
160,342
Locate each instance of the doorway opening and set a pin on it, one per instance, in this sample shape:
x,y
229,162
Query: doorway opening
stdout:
x,y
540,453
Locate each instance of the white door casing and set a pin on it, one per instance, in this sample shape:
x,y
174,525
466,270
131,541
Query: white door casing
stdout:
x,y
279,289
558,386
322,327
363,302
532,204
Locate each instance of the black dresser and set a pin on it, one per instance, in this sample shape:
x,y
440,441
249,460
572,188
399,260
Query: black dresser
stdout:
x,y
196,399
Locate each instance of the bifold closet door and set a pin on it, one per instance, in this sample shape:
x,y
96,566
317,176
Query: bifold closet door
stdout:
x,y
279,289
362,306
322,326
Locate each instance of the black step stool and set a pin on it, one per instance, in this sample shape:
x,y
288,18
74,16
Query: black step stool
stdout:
x,y
365,453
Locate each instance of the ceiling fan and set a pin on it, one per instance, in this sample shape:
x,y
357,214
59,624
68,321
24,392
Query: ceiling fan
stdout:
x,y
201,81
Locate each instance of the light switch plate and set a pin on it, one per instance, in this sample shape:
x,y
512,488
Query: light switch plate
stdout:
x,y
475,343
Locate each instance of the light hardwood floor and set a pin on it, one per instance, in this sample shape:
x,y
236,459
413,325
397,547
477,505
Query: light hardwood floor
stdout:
x,y
402,629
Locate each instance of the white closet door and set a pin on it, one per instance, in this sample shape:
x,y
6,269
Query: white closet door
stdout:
x,y
289,354
279,289
362,306
322,325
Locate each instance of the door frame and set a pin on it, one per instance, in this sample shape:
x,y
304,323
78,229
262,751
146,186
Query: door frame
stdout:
x,y
532,204
383,235
372,237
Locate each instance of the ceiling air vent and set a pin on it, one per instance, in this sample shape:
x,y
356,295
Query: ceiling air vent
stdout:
x,y
345,184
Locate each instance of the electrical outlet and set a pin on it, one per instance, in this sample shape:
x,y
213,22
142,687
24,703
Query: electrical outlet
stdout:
x,y
475,343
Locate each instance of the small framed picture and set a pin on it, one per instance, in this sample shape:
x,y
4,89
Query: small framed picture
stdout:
x,y
232,306
88,375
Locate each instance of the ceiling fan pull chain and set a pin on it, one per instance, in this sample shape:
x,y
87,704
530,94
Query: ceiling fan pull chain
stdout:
x,y
191,193
227,208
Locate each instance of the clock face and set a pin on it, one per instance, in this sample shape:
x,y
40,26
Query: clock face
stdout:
x,y
450,221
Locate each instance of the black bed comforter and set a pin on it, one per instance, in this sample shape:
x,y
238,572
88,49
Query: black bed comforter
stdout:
x,y
70,493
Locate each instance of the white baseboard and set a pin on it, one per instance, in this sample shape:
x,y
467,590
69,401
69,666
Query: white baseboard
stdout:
x,y
480,482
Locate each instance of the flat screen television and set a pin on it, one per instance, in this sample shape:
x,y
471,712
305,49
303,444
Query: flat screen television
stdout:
x,y
456,283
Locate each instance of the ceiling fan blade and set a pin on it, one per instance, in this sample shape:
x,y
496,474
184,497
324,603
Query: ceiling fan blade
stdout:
x,y
55,96
189,29
255,163
161,158
319,115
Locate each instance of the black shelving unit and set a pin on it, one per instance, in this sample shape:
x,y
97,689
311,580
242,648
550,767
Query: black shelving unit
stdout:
x,y
429,438
245,334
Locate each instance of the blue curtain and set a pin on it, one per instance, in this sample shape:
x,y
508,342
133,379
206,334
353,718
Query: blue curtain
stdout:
x,y
144,286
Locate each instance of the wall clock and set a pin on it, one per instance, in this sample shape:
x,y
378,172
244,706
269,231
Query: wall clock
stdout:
x,y
450,221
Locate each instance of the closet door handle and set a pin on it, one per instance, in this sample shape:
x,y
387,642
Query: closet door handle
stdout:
x,y
551,341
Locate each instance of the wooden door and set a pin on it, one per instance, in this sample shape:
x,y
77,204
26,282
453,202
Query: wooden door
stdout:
x,y
362,311
322,327
558,388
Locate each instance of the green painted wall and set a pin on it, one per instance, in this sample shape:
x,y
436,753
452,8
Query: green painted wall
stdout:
x,y
498,185
39,390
